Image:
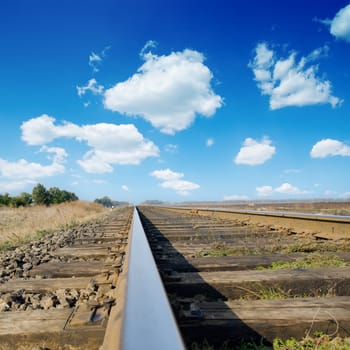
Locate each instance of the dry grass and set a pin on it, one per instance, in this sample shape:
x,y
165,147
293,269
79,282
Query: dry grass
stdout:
x,y
17,225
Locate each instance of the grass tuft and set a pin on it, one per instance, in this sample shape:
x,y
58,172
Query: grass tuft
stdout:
x,y
319,342
217,249
312,260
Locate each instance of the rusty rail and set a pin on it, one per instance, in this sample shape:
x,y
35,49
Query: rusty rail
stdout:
x,y
144,320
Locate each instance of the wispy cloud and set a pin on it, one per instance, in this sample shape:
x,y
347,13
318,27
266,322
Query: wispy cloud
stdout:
x,y
254,152
146,50
289,82
125,188
171,148
91,86
109,143
95,59
329,147
173,180
168,91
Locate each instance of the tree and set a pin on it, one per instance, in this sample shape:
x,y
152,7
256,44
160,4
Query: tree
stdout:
x,y
106,201
41,195
59,196
5,199
23,200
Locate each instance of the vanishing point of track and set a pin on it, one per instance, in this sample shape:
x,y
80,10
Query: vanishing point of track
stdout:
x,y
166,278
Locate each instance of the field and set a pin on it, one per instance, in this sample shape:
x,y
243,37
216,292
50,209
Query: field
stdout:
x,y
20,225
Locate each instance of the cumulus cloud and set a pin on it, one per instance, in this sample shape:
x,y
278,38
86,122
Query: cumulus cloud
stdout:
x,y
168,91
125,188
329,147
22,169
173,180
339,26
254,152
285,188
21,173
42,130
110,143
289,82
91,86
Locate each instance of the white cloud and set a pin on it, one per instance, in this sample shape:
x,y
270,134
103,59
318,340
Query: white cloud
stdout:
x,y
166,174
172,180
110,143
345,195
146,50
340,24
236,197
329,147
254,152
15,185
125,188
264,190
330,193
59,156
289,82
22,172
95,59
285,188
171,148
181,187
23,169
210,142
168,91
92,86
41,130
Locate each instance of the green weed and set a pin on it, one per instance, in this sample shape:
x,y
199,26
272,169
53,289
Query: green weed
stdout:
x,y
312,260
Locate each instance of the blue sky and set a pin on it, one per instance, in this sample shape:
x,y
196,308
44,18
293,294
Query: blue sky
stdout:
x,y
176,100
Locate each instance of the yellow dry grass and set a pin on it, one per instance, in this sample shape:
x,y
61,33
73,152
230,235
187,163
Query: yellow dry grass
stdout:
x,y
19,224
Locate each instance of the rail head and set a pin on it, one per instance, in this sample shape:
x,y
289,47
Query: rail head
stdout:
x,y
145,319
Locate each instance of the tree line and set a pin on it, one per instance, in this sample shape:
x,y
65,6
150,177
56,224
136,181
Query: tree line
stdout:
x,y
40,195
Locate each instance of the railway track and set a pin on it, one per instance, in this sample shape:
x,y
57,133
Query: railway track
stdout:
x,y
103,286
213,266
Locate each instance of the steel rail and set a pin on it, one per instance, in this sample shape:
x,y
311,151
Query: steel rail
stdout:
x,y
142,318
324,226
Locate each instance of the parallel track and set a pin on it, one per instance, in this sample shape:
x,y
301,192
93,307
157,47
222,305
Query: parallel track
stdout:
x,y
222,299
101,289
